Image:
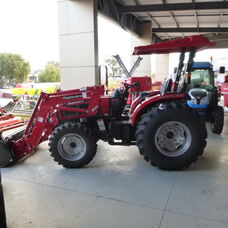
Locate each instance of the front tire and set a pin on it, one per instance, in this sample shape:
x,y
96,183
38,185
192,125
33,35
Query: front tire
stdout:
x,y
72,145
171,136
217,120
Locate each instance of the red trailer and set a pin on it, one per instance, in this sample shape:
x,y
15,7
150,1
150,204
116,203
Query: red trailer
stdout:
x,y
224,91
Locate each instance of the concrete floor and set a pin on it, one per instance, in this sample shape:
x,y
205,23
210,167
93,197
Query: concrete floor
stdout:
x,y
119,189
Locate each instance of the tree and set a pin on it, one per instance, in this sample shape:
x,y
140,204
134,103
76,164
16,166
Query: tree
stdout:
x,y
114,66
51,73
13,69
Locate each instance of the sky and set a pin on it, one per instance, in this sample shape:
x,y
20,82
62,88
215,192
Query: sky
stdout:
x,y
30,28
113,40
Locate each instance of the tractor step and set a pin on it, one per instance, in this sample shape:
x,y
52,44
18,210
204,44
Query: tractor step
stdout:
x,y
121,143
121,130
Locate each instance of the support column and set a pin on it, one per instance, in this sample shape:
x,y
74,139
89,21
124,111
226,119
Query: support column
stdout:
x,y
161,67
78,40
146,37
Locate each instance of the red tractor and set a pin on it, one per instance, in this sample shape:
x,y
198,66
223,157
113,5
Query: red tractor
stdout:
x,y
224,91
168,133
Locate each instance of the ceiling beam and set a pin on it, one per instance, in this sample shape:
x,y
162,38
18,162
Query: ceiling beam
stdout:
x,y
196,16
192,15
155,37
111,9
154,20
137,3
189,29
174,7
167,35
175,20
220,19
197,20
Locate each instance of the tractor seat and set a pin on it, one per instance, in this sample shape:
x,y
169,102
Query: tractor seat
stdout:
x,y
116,103
199,98
166,86
118,93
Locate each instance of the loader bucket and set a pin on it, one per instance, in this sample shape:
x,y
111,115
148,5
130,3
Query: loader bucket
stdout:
x,y
8,156
5,154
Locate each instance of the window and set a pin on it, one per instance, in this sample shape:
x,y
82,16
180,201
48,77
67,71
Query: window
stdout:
x,y
202,78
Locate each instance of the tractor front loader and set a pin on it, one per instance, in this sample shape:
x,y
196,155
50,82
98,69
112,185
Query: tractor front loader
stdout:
x,y
168,133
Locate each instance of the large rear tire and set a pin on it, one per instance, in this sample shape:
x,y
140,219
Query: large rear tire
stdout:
x,y
72,145
171,136
217,120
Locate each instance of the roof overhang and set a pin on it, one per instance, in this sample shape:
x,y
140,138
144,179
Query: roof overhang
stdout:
x,y
171,19
173,46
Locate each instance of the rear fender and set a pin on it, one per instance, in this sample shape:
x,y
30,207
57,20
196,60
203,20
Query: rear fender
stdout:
x,y
142,107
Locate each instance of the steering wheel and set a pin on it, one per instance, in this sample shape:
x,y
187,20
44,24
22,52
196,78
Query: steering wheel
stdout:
x,y
128,86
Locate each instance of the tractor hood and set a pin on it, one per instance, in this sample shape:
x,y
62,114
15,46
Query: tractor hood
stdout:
x,y
172,46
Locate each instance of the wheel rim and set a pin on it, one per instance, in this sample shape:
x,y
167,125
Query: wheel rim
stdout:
x,y
173,138
72,147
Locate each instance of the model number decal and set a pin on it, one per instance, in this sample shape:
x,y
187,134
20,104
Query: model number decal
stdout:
x,y
75,102
72,97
